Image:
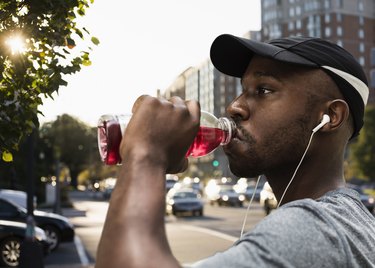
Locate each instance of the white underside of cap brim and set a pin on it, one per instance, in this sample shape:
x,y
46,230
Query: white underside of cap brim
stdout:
x,y
361,87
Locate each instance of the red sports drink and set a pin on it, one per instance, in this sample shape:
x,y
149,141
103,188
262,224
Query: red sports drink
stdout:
x,y
212,133
207,140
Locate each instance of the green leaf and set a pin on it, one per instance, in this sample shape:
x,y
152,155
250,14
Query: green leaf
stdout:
x,y
7,156
95,40
86,62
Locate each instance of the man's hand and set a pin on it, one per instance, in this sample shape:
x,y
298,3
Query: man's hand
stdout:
x,y
163,130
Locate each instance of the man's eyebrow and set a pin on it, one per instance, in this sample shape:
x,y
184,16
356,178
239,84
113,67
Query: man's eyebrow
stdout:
x,y
265,74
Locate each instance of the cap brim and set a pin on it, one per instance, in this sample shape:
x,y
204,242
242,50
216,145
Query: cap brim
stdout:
x,y
231,55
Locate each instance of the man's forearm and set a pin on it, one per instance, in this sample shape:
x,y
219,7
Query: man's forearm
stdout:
x,y
134,232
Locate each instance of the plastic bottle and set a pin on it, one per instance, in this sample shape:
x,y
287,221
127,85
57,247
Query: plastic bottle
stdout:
x,y
213,132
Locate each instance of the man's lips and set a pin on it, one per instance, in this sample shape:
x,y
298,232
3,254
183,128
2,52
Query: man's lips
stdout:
x,y
237,139
239,135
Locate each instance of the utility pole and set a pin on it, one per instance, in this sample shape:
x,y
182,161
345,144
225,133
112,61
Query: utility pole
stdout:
x,y
31,254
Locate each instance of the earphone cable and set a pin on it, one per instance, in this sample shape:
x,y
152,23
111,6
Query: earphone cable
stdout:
x,y
248,207
295,171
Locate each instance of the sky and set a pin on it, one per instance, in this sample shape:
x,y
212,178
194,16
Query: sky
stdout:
x,y
144,46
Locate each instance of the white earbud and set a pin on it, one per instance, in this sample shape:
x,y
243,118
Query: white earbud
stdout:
x,y
324,121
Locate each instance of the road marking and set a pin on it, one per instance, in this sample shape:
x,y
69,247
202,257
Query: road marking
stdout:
x,y
211,232
81,251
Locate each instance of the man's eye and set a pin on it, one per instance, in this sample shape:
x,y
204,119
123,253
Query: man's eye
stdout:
x,y
263,91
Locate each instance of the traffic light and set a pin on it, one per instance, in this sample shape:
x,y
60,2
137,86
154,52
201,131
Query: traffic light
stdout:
x,y
215,163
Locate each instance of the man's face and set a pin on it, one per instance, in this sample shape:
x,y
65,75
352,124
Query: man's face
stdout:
x,y
273,115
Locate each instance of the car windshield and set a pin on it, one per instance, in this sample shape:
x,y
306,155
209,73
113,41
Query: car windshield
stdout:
x,y
185,195
226,189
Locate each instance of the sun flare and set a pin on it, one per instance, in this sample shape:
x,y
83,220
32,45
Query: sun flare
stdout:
x,y
16,44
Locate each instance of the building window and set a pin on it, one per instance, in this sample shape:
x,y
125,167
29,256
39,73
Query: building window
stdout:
x,y
311,5
361,47
360,6
327,18
298,10
338,17
313,26
373,57
339,43
291,12
339,31
361,34
361,20
298,24
361,60
327,4
291,26
327,32
340,3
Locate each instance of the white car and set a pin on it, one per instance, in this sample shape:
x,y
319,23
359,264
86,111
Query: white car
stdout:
x,y
18,197
267,198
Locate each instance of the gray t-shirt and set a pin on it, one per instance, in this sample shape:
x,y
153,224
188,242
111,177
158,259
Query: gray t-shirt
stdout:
x,y
335,230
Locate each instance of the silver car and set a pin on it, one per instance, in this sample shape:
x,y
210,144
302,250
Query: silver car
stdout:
x,y
267,198
184,201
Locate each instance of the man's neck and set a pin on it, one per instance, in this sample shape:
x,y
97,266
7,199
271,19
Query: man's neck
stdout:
x,y
312,180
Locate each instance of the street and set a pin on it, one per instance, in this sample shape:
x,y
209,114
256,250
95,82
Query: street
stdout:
x,y
191,238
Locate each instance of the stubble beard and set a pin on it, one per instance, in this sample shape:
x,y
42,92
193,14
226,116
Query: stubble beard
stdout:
x,y
278,153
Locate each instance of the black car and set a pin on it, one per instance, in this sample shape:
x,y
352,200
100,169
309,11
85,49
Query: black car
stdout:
x,y
12,234
227,196
250,191
58,228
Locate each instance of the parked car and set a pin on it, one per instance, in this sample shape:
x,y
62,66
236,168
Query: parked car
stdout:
x,y
250,190
11,236
227,196
267,198
170,182
57,228
18,197
108,187
184,201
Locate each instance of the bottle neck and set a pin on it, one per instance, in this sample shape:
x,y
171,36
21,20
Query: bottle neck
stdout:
x,y
229,128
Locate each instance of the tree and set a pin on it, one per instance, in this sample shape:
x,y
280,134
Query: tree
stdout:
x,y
37,47
70,142
362,152
66,141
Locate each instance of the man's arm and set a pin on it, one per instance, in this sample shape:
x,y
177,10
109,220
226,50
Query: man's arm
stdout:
x,y
154,144
134,231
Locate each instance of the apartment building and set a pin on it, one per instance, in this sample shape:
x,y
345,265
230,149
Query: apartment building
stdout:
x,y
348,23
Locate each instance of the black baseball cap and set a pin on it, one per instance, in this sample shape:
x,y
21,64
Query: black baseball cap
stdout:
x,y
231,55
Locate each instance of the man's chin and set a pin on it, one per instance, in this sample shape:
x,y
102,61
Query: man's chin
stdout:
x,y
243,171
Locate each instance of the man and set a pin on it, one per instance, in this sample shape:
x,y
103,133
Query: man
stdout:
x,y
303,99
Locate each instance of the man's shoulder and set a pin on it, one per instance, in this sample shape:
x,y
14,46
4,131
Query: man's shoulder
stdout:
x,y
336,214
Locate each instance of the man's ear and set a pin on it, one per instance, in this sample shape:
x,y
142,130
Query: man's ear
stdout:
x,y
338,111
